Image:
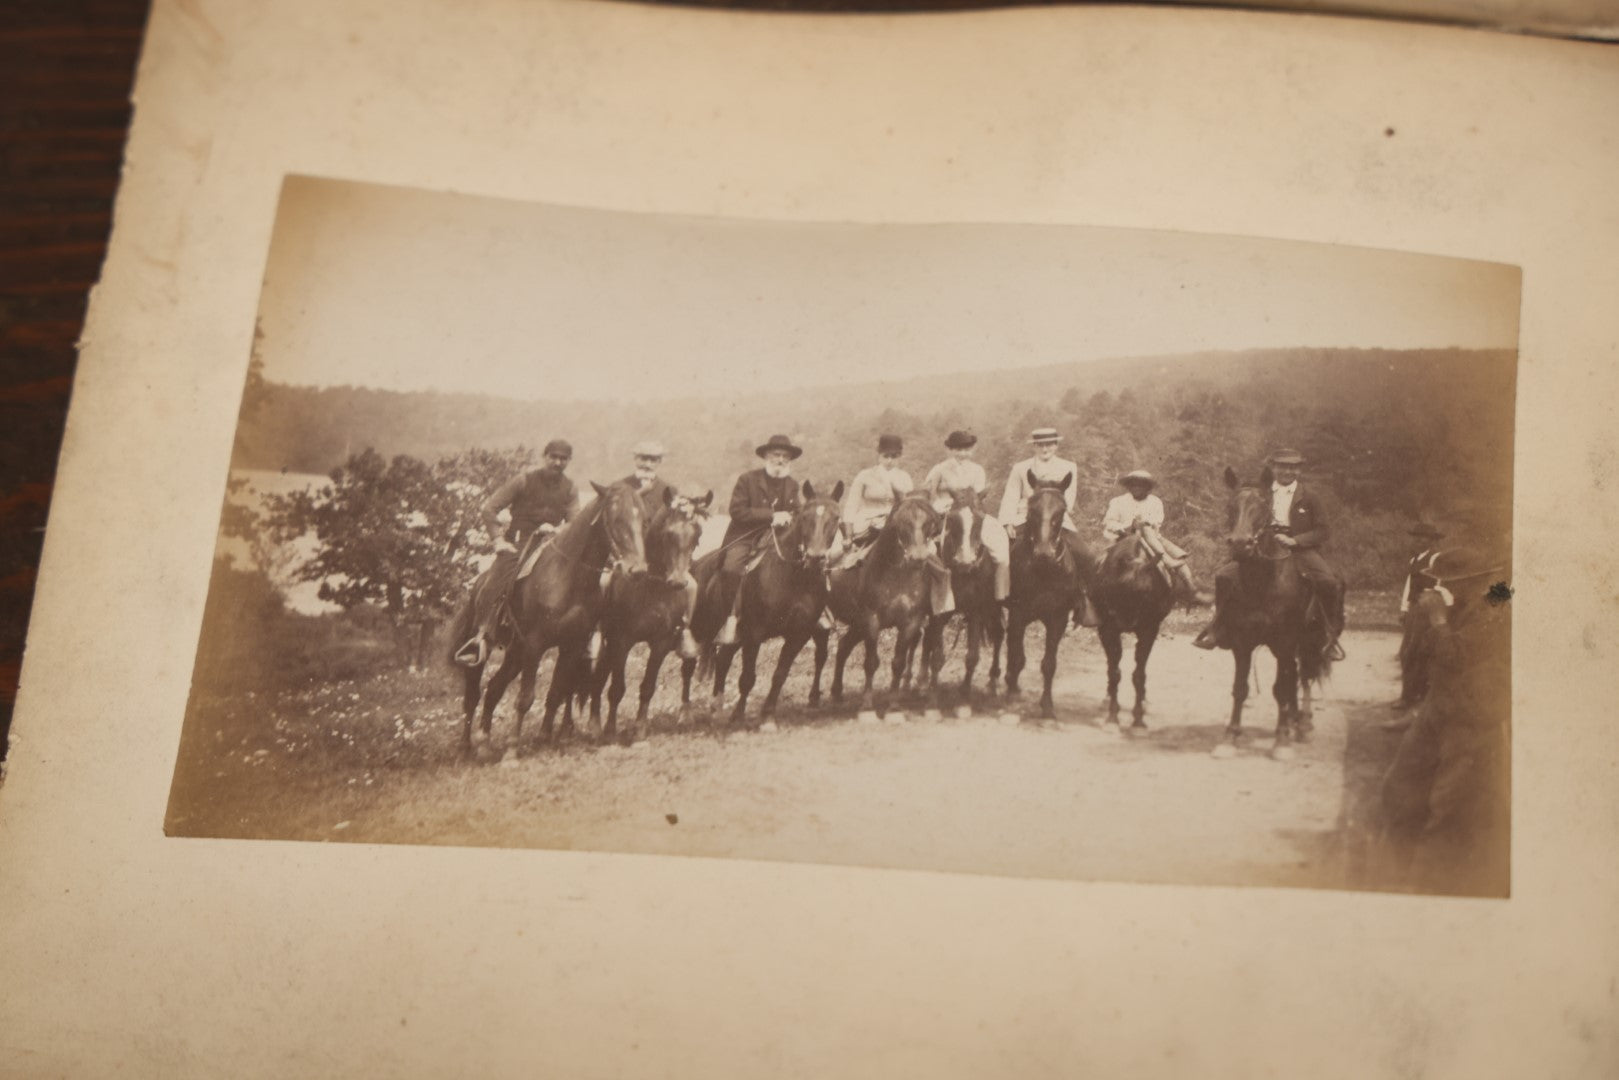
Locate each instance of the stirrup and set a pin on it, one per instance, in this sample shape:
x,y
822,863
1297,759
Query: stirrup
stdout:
x,y
475,653
1333,651
1208,639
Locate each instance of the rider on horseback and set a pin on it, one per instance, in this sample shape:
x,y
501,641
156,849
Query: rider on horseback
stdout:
x,y
655,495
537,502
1046,468
763,500
1138,508
1299,524
959,476
873,495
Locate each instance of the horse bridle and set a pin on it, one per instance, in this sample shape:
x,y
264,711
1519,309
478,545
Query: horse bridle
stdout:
x,y
804,561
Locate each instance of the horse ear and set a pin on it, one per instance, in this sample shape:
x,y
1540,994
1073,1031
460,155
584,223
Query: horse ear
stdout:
x,y
1030,477
705,502
1266,477
837,491
668,496
809,491
1231,478
1067,480
600,490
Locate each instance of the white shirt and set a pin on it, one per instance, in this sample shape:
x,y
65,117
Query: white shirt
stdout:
x,y
1015,501
950,476
873,494
1281,502
1125,510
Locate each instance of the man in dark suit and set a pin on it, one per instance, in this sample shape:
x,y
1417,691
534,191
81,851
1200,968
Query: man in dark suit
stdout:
x,y
764,499
537,502
656,494
1414,650
1300,525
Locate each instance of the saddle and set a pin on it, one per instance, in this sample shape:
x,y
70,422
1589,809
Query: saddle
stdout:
x,y
529,557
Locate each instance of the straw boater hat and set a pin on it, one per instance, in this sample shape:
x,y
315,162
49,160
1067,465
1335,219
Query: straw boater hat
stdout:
x,y
960,440
648,448
779,442
1044,435
1139,476
890,444
1286,456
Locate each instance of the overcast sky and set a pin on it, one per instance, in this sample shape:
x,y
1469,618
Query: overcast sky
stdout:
x,y
409,290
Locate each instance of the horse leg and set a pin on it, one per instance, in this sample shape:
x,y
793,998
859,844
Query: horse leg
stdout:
x,y
933,661
820,636
871,630
969,662
471,691
649,686
509,667
1055,627
616,660
525,697
997,634
722,668
1286,692
904,650
1015,628
1113,647
846,643
744,681
790,648
1145,639
1244,656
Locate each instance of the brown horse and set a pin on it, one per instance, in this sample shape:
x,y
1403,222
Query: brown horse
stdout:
x,y
1048,585
1132,596
647,607
1269,604
556,606
890,588
783,596
972,581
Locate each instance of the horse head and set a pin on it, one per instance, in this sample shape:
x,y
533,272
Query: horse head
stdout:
x,y
673,534
1048,506
963,531
815,526
913,527
1248,520
623,523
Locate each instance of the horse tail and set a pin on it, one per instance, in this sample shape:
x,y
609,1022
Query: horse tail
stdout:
x,y
1315,665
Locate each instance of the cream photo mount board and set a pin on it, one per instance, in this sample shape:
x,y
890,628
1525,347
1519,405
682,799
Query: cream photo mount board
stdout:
x,y
159,956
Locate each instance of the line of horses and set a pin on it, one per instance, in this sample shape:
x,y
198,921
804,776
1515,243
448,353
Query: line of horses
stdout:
x,y
613,570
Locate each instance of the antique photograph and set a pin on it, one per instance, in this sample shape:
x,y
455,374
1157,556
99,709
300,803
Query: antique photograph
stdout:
x,y
1034,551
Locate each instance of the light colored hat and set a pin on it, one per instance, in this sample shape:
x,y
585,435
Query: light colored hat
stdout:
x,y
1044,435
1286,456
1138,476
648,448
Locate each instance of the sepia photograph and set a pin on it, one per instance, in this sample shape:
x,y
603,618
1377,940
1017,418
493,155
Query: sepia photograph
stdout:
x,y
1032,551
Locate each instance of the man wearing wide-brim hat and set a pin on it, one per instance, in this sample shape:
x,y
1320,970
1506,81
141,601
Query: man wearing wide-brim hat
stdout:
x,y
1299,524
1046,469
1138,510
764,499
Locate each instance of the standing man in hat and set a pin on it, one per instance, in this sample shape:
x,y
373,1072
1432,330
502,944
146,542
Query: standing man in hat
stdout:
x,y
1047,468
872,496
764,499
1139,508
1300,525
1419,579
655,495
537,503
959,476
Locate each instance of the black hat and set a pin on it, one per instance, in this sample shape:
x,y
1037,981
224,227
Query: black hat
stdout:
x,y
960,440
890,444
561,447
779,442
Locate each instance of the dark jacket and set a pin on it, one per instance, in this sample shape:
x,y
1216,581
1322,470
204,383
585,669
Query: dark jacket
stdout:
x,y
1306,521
1418,580
654,497
755,498
537,497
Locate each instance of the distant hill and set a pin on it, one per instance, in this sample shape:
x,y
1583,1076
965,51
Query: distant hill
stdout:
x,y
1390,434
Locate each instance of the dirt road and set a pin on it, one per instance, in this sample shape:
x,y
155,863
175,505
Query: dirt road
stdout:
x,y
982,794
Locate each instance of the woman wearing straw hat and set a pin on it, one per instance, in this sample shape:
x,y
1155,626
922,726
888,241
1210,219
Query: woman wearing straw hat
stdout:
x,y
960,477
1047,469
1138,508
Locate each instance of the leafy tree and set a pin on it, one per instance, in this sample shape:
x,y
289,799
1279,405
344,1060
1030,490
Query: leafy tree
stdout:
x,y
400,534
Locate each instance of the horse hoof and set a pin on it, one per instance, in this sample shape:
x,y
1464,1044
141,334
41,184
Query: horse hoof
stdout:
x,y
866,716
1138,728
768,725
1224,750
964,712
1010,718
932,716
1111,726
1283,753
895,717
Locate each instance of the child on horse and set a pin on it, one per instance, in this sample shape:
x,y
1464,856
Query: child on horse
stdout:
x,y
1138,508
